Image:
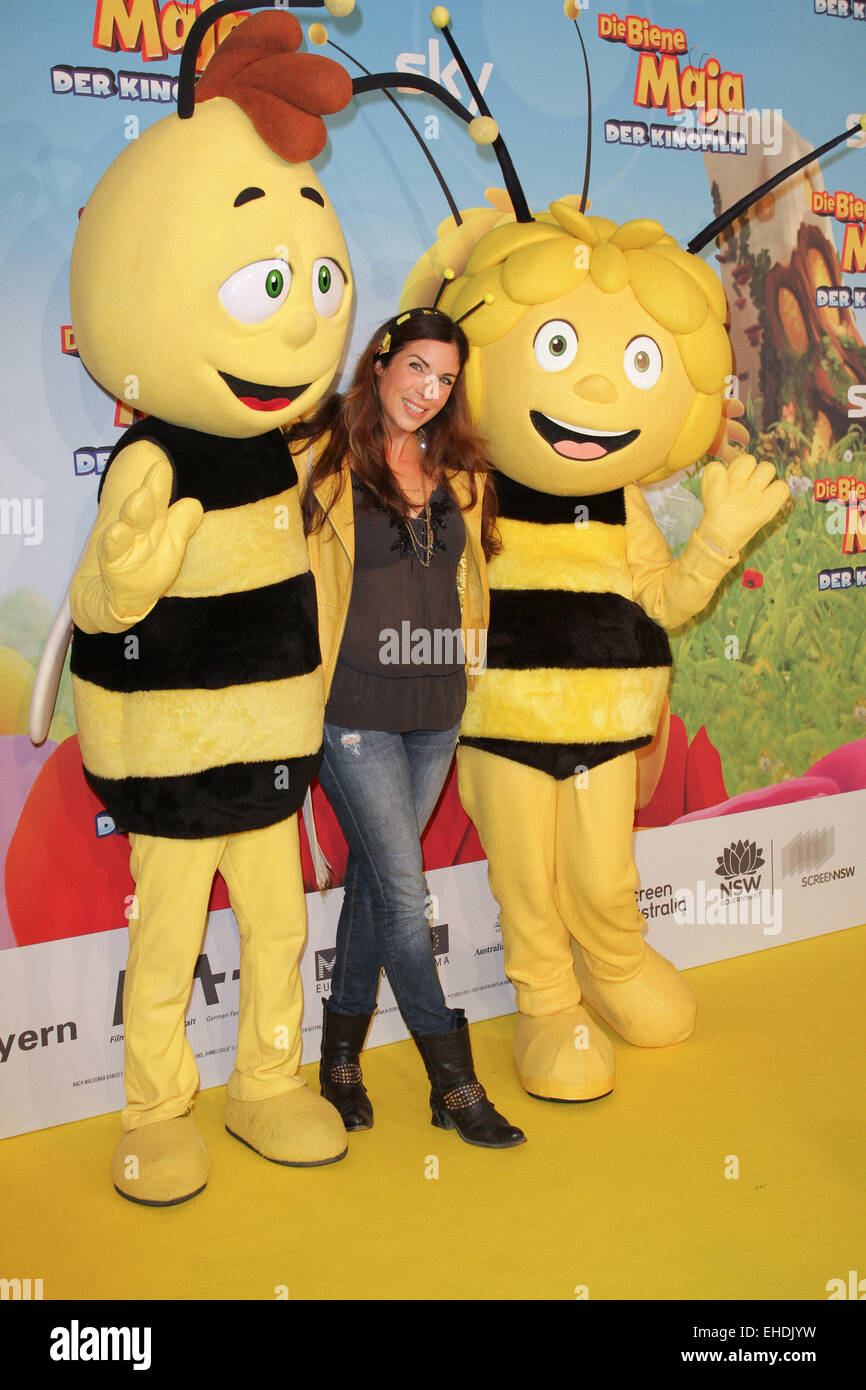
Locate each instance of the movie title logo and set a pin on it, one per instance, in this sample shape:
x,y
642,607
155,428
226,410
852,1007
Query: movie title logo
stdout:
x,y
102,82
840,489
841,297
841,9
659,81
156,30
636,32
90,460
842,578
845,499
848,208
666,137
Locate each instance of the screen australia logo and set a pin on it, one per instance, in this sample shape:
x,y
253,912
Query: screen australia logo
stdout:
x,y
737,867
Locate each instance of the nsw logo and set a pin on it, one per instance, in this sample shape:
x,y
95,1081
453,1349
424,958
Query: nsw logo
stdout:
x,y
737,865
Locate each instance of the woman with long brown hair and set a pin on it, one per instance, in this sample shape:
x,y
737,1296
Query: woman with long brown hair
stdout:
x,y
399,511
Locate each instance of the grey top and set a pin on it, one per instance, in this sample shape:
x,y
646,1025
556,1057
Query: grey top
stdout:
x,y
401,664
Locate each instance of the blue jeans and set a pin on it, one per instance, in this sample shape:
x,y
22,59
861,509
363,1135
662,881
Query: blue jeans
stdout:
x,y
383,788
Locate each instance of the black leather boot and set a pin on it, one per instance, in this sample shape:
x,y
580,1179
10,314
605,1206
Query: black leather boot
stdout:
x,y
457,1098
340,1078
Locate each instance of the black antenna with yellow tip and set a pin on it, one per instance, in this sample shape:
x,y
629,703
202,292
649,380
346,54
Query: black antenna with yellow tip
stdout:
x,y
713,228
488,299
455,211
572,13
447,277
441,19
483,128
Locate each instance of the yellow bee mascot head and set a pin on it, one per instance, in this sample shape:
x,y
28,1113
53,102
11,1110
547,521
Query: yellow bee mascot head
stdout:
x,y
210,279
602,356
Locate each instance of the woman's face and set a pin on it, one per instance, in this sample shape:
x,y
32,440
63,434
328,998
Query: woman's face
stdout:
x,y
416,383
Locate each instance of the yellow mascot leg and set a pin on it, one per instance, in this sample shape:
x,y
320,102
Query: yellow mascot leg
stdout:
x,y
268,1106
161,1159
630,986
559,1052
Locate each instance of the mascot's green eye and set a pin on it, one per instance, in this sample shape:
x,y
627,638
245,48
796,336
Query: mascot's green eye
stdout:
x,y
256,291
329,282
555,345
642,361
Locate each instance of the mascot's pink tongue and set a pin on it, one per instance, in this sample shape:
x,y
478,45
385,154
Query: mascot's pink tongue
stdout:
x,y
572,450
278,403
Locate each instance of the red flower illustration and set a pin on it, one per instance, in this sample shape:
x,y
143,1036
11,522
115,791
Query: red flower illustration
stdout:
x,y
752,579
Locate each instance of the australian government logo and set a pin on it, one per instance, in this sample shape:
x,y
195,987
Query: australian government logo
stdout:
x,y
743,896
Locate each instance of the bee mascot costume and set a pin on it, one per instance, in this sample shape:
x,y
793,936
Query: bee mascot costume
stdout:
x,y
598,362
210,284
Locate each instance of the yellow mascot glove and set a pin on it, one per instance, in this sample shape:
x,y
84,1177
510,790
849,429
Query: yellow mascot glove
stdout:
x,y
738,501
141,554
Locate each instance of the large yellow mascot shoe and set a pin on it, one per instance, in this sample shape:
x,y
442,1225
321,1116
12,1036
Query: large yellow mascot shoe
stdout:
x,y
563,1056
296,1127
163,1163
655,1008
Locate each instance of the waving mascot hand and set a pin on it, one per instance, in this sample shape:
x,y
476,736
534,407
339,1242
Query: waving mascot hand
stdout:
x,y
209,274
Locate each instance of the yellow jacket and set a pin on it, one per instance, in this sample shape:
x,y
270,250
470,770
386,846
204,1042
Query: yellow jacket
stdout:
x,y
332,558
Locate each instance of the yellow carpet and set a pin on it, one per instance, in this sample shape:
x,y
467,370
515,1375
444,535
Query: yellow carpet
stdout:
x,y
626,1197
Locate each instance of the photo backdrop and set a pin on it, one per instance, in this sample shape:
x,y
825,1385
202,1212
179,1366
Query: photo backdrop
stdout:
x,y
752,836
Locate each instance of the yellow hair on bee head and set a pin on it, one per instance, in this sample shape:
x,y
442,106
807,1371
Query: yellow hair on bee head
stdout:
x,y
525,264
491,322
545,259
543,271
609,268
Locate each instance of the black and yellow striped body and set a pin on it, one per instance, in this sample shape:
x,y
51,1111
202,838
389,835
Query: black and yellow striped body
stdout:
x,y
576,671
205,718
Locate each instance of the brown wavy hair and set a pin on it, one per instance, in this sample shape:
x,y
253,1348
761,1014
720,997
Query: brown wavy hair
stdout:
x,y
357,436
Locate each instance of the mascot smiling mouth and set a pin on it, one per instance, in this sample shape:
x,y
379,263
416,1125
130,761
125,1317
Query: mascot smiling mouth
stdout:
x,y
579,444
259,397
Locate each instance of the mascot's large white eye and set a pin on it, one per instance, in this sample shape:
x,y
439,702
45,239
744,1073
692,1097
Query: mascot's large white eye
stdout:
x,y
642,360
328,285
555,345
257,291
